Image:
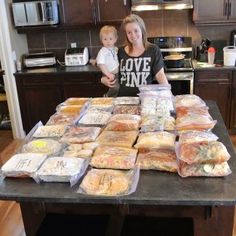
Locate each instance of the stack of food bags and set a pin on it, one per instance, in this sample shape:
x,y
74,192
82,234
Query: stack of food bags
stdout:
x,y
113,171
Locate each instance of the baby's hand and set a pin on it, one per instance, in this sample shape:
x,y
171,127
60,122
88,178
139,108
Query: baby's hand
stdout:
x,y
111,76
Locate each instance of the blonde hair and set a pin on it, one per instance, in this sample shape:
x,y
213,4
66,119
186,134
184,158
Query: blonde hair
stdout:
x,y
108,29
132,18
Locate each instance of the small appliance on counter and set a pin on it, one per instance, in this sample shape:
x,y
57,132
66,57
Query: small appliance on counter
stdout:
x,y
76,56
202,54
39,59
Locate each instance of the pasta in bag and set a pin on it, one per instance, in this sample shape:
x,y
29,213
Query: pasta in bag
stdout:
x,y
114,157
208,170
203,152
164,160
50,131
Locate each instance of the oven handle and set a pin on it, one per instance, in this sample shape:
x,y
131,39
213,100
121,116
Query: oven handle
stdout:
x,y
179,77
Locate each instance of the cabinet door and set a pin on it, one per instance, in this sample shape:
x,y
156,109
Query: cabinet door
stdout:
x,y
38,97
209,11
232,10
77,12
233,105
112,10
84,85
215,85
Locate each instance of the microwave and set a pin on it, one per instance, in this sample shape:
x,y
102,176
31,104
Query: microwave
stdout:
x,y
35,13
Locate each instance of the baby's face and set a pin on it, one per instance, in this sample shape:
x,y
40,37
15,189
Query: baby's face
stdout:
x,y
109,40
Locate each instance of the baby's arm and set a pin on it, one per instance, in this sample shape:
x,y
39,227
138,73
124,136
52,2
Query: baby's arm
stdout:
x,y
104,70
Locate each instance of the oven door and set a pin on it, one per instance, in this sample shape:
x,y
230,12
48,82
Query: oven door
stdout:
x,y
181,82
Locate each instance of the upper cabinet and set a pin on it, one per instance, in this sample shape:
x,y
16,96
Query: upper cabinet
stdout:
x,y
214,12
94,12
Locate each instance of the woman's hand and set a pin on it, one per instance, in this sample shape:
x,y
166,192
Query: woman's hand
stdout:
x,y
108,82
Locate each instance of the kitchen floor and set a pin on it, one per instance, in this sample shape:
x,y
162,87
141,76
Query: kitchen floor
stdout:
x,y
11,223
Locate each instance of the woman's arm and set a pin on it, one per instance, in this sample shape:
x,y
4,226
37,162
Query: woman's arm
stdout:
x,y
161,77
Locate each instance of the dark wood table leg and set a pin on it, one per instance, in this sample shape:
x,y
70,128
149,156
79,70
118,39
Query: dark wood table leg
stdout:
x,y
33,215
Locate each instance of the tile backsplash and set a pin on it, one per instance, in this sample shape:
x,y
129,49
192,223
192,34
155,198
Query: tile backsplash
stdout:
x,y
158,23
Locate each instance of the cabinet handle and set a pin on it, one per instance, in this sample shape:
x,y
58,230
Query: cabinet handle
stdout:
x,y
226,9
97,9
93,11
125,2
229,9
224,81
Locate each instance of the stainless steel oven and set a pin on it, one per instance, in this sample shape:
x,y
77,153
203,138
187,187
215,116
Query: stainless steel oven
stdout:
x,y
180,75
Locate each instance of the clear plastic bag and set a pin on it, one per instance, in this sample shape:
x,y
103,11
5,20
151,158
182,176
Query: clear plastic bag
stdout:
x,y
163,160
127,109
23,164
107,182
49,131
76,134
126,101
114,157
61,169
188,100
207,170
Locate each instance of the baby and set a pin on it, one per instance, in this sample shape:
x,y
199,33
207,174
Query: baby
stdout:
x,y
107,59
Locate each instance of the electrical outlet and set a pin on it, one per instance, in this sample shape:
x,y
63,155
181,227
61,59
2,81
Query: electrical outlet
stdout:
x,y
73,45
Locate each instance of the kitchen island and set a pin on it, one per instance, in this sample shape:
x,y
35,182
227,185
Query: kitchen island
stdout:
x,y
208,201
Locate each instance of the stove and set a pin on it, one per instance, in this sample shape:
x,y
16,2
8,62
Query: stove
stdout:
x,y
180,78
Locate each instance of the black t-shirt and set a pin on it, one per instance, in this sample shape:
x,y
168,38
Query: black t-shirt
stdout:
x,y
136,71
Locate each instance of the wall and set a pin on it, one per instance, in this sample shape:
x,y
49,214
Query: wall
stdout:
x,y
158,23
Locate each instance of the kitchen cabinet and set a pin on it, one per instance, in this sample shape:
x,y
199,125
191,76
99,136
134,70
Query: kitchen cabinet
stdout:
x,y
214,12
39,94
215,85
38,97
233,105
93,12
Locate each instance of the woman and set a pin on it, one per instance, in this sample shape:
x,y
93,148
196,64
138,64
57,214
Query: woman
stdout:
x,y
139,60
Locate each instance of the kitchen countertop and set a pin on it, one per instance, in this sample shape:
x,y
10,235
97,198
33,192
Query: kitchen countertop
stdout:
x,y
154,187
205,66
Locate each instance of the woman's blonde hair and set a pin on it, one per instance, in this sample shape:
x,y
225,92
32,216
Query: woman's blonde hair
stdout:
x,y
108,29
132,18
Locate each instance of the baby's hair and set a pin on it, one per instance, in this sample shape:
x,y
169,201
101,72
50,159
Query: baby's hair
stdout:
x,y
108,29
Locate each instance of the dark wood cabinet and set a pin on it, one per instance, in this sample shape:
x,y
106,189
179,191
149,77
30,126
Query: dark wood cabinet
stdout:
x,y
83,85
38,98
87,12
215,85
214,12
233,105
39,94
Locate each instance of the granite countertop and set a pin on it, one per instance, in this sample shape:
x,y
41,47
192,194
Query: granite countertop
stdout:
x,y
154,188
205,66
60,70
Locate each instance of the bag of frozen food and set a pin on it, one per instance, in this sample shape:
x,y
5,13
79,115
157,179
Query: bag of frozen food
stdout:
x,y
44,145
49,131
163,160
76,101
195,136
100,108
195,122
183,111
155,140
154,87
209,169
127,109
70,109
169,124
23,164
59,119
78,134
95,118
202,152
151,123
126,101
107,182
118,138
61,169
188,100
114,157
102,101
123,122
148,105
